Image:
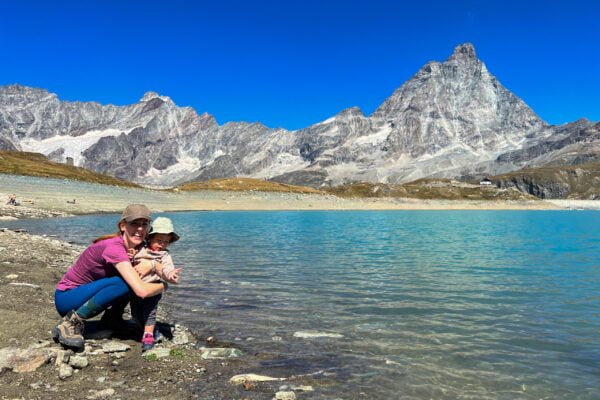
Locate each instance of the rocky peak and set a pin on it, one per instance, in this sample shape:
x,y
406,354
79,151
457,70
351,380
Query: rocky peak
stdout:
x,y
350,113
14,94
150,96
464,52
454,103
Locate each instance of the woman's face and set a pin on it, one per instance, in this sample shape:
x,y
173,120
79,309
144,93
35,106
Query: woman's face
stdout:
x,y
134,232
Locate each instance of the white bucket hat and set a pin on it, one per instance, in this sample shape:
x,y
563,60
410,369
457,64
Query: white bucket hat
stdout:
x,y
164,225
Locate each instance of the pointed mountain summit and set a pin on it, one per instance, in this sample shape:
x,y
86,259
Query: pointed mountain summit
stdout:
x,y
457,101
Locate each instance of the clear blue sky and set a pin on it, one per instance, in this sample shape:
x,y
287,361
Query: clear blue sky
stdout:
x,y
294,63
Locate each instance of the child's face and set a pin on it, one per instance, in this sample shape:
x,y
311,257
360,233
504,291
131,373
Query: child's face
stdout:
x,y
159,241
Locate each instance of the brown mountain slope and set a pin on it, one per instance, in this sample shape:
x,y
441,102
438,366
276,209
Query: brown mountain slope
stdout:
x,y
35,164
556,182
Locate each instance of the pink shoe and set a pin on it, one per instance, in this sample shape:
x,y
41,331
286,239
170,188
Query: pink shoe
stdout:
x,y
147,341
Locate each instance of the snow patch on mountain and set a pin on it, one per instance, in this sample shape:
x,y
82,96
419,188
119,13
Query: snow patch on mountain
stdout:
x,y
283,163
184,167
73,146
374,139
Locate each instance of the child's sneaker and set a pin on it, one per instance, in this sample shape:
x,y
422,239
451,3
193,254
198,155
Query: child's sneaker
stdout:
x,y
147,341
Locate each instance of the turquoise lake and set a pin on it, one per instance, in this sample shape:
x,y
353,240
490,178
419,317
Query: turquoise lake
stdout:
x,y
393,304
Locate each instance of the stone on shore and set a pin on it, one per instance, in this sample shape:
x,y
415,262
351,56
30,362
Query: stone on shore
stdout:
x,y
24,360
285,395
78,362
65,371
160,352
115,347
180,337
244,378
217,353
101,394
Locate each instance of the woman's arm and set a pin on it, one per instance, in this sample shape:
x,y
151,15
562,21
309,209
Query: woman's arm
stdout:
x,y
140,288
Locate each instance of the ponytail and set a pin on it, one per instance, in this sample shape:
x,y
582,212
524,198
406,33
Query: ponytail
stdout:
x,y
105,237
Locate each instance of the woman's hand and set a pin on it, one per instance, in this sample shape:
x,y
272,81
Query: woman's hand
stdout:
x,y
144,267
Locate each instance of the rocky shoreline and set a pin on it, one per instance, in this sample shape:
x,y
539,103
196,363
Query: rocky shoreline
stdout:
x,y
112,366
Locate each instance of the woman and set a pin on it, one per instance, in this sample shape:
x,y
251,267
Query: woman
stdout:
x,y
103,276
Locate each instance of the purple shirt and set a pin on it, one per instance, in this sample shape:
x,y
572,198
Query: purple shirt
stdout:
x,y
96,262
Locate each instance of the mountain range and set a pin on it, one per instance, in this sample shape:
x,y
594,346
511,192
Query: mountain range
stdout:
x,y
451,119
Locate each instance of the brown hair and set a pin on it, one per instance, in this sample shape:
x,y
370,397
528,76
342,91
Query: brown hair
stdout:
x,y
109,236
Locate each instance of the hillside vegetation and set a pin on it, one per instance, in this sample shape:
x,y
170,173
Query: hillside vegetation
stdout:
x,y
427,189
555,182
35,164
246,184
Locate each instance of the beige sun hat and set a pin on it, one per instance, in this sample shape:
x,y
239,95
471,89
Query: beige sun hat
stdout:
x,y
164,225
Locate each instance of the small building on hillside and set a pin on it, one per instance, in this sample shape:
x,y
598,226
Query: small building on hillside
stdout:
x,y
485,182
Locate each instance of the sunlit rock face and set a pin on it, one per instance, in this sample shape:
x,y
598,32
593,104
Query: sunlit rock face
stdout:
x,y
452,119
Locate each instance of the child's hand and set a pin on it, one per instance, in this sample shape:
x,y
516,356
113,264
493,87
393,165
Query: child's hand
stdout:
x,y
131,253
174,275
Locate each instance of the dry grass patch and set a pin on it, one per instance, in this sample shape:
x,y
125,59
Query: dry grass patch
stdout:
x,y
246,184
35,164
429,189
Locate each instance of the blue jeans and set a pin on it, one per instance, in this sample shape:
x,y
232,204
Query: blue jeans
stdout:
x,y
103,293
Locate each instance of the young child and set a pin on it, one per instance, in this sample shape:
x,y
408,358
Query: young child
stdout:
x,y
161,235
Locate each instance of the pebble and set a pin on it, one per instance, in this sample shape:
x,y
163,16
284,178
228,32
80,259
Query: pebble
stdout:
x,y
285,396
62,356
101,394
180,338
302,388
31,285
65,371
12,276
78,362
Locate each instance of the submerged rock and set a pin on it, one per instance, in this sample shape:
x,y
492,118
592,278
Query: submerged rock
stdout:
x,y
314,334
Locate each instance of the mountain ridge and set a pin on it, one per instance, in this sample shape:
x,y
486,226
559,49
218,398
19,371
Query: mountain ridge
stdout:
x,y
451,119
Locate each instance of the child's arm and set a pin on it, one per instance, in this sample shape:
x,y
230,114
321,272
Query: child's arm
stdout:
x,y
168,272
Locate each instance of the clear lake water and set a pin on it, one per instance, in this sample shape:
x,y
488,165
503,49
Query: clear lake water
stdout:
x,y
393,304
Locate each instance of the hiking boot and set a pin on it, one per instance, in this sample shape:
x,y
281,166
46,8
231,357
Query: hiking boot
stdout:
x,y
69,332
147,341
